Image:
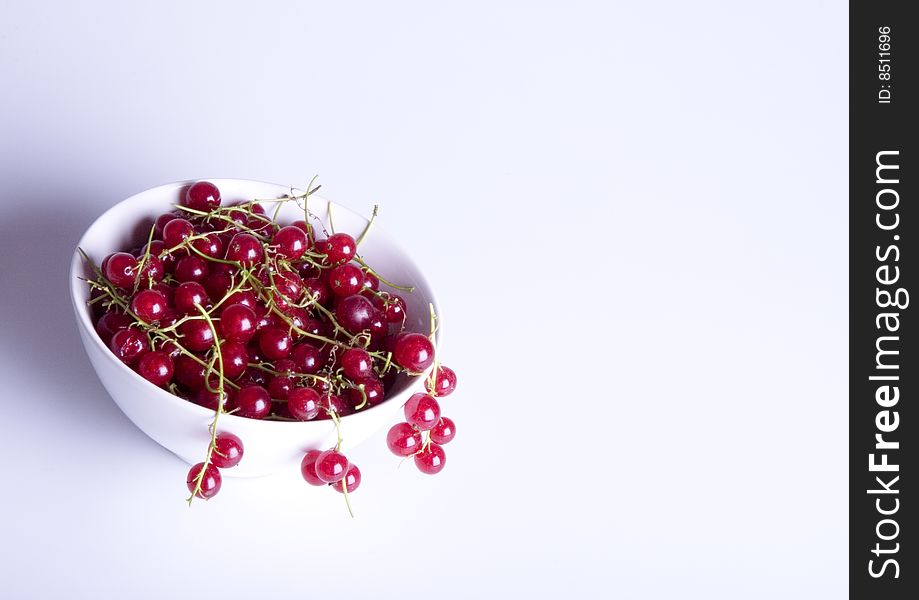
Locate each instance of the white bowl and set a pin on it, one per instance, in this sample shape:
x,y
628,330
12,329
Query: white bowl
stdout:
x,y
182,426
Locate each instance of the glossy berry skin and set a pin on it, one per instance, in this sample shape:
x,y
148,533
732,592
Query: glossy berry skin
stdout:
x,y
357,364
237,323
149,305
275,343
128,345
354,313
444,431
393,308
208,399
331,466
203,196
210,482
403,439
156,367
279,387
211,245
120,269
111,322
235,359
317,289
307,358
189,372
191,268
373,391
414,352
177,231
160,223
253,402
352,479
445,382
431,460
196,335
308,468
339,248
228,450
303,403
422,411
346,280
244,297
152,269
245,249
371,281
188,296
291,242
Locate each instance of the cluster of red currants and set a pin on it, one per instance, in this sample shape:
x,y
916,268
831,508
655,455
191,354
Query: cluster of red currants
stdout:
x,y
424,431
229,309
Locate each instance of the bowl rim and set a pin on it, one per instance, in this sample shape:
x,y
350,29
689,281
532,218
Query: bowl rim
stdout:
x,y
85,321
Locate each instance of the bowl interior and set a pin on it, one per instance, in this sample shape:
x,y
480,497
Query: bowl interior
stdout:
x,y
128,223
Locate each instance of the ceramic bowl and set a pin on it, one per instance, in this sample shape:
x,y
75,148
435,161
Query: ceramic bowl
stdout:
x,y
182,426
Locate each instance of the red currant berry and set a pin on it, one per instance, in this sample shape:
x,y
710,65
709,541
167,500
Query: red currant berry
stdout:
x,y
210,481
356,364
444,431
153,268
191,268
203,196
156,367
177,231
211,245
317,289
120,269
279,387
352,479
189,372
355,313
188,296
414,352
111,322
303,403
339,248
237,323
291,242
245,297
208,399
253,401
371,281
228,450
403,439
346,280
444,384
196,335
148,305
331,466
422,411
128,345
275,343
235,359
431,460
308,468
160,223
245,249
307,358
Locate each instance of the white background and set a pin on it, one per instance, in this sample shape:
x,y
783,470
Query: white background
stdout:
x,y
635,216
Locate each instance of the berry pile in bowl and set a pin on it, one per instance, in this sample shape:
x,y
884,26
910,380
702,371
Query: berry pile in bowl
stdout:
x,y
248,327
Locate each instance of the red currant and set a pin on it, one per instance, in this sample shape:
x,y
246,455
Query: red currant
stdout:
x,y
228,450
308,468
188,296
120,269
203,196
128,345
253,401
403,439
245,249
444,431
303,403
352,479
210,481
291,242
237,323
331,466
148,305
431,460
414,352
422,411
444,384
156,367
